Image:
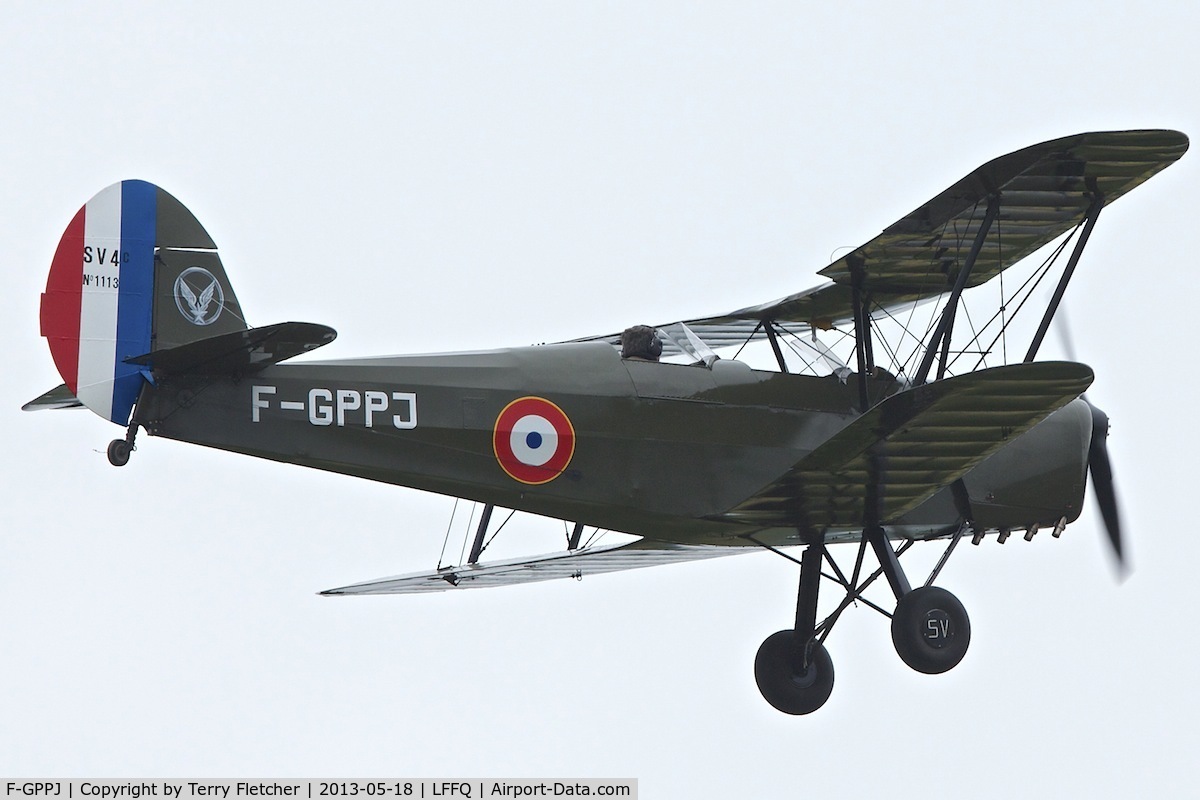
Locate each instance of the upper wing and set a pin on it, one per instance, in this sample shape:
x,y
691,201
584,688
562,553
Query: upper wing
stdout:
x,y
912,444
1044,190
566,564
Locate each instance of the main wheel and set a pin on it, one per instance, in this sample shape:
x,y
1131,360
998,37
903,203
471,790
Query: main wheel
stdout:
x,y
118,452
931,630
783,683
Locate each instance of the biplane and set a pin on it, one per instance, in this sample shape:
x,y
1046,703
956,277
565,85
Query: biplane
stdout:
x,y
884,413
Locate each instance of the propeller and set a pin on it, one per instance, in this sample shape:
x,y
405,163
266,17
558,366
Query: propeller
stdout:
x,y
1099,465
1100,470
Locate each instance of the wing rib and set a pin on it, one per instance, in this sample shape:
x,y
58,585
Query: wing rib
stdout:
x,y
912,444
567,564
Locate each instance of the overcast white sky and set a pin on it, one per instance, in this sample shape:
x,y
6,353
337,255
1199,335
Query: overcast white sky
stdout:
x,y
433,177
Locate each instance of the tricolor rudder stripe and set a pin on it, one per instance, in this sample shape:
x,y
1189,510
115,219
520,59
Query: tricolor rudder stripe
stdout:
x,y
98,306
533,440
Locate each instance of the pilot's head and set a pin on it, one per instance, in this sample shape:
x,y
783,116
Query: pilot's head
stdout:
x,y
641,341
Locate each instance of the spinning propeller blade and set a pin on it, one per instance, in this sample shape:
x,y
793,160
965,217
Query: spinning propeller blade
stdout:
x,y
1099,465
1100,469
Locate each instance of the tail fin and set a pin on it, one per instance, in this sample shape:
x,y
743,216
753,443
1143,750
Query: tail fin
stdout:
x,y
134,272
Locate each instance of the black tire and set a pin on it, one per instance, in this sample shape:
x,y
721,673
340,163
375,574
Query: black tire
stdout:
x,y
118,452
778,680
931,630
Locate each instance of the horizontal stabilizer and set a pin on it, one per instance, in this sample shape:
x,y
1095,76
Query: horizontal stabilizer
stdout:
x,y
565,564
912,444
59,397
239,352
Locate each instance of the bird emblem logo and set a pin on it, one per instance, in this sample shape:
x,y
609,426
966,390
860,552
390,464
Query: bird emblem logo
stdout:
x,y
199,296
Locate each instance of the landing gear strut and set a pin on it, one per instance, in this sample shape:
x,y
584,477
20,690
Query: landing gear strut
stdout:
x,y
119,450
793,670
930,627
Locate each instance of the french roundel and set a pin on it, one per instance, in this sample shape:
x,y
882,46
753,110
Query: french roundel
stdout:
x,y
533,440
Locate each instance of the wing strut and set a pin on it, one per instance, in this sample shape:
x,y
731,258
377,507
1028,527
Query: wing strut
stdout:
x,y
773,338
480,532
941,335
862,331
485,519
576,535
1093,213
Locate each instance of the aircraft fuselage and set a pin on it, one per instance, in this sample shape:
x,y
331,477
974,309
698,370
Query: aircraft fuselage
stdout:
x,y
656,449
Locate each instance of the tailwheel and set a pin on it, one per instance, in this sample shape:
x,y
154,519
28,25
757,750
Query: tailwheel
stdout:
x,y
784,678
118,452
931,630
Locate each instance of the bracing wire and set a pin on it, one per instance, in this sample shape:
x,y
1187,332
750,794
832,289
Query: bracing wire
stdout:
x,y
595,538
462,553
446,539
497,533
749,339
1025,292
